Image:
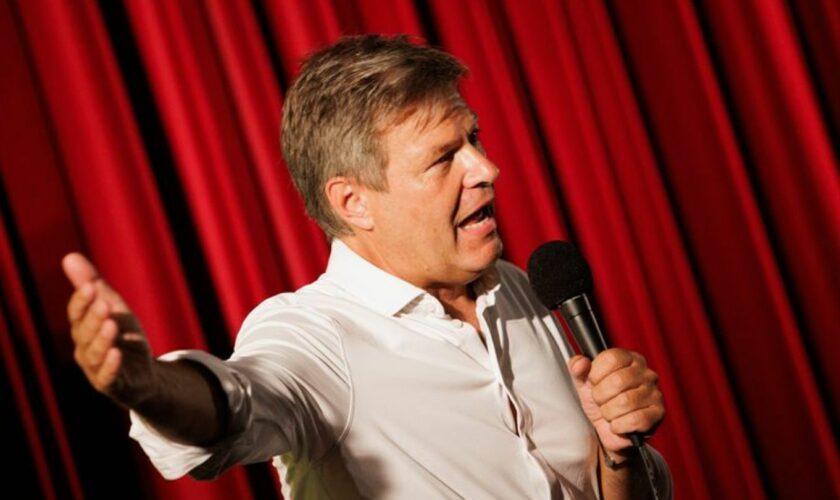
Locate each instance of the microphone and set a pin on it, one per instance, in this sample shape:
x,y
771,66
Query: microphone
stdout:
x,y
561,278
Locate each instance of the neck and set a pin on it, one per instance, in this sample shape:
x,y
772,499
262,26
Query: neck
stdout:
x,y
460,305
458,300
454,296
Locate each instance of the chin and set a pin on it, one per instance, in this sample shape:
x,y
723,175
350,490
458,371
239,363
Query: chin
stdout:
x,y
496,248
488,255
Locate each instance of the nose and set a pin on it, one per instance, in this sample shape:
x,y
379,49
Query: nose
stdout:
x,y
479,170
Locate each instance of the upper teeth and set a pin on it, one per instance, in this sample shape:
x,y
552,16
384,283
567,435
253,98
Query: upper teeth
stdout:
x,y
478,216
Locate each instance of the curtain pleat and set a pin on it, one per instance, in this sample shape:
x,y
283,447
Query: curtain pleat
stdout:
x,y
197,112
472,31
711,174
300,26
689,148
818,25
114,200
620,206
783,126
301,248
47,440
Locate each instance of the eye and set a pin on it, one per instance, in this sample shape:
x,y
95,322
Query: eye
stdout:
x,y
474,140
446,158
473,137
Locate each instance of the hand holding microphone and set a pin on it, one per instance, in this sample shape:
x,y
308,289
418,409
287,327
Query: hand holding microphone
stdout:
x,y
618,391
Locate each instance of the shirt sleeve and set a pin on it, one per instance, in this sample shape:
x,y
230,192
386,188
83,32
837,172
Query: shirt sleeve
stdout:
x,y
288,390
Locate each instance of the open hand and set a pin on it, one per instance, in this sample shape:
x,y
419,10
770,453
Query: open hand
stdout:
x,y
110,346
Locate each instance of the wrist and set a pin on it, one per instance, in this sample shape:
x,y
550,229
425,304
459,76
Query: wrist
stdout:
x,y
620,460
145,396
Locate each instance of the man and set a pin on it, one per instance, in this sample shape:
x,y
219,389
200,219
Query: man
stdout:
x,y
418,365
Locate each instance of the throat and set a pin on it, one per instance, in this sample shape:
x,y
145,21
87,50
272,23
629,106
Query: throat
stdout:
x,y
464,310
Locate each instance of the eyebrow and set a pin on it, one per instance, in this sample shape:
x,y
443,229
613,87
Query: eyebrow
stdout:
x,y
448,146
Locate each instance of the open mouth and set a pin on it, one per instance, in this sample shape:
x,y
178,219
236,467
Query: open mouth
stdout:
x,y
478,218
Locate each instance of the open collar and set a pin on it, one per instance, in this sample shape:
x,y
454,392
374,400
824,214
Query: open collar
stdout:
x,y
377,288
383,291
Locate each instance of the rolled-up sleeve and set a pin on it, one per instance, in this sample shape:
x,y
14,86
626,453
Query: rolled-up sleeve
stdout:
x,y
287,387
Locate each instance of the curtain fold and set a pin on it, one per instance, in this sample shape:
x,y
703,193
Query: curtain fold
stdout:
x,y
35,400
112,199
734,235
779,115
607,170
690,149
472,32
188,81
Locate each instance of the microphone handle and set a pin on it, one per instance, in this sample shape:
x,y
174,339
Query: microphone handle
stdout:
x,y
581,320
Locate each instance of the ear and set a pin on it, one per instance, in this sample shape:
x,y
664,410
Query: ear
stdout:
x,y
349,200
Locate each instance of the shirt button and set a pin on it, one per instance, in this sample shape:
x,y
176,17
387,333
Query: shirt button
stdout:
x,y
458,323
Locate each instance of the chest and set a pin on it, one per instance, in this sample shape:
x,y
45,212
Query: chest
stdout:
x,y
436,381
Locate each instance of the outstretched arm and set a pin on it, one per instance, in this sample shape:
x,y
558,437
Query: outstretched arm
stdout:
x,y
181,400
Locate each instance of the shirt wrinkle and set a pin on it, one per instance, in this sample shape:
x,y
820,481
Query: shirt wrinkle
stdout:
x,y
384,395
349,374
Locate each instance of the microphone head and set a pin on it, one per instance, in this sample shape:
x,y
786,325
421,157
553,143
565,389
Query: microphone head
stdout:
x,y
558,272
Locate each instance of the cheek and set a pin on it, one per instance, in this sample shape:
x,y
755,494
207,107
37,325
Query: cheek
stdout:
x,y
426,207
433,207
429,224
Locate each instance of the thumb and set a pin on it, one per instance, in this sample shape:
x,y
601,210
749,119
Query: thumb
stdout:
x,y
579,367
79,269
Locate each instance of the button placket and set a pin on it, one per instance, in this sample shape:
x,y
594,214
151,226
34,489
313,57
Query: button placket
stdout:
x,y
494,362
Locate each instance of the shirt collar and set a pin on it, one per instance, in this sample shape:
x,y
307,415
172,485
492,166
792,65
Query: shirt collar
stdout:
x,y
379,289
383,291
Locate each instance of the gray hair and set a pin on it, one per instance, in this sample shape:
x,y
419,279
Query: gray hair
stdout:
x,y
346,95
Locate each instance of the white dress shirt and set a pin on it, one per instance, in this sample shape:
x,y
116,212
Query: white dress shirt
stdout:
x,y
360,385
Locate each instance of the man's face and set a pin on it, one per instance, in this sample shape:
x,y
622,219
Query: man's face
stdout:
x,y
435,226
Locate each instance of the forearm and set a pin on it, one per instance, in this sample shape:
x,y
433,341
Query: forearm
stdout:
x,y
627,482
187,405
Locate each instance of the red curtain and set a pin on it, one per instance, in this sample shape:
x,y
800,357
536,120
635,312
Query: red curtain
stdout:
x,y
689,148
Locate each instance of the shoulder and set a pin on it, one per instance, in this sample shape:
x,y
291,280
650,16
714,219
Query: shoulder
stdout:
x,y
310,303
321,311
305,312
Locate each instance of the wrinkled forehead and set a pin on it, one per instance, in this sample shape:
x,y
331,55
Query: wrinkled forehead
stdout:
x,y
427,113
424,131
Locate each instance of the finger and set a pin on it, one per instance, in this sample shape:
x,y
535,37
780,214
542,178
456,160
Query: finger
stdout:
x,y
85,330
608,362
644,420
111,296
80,301
622,380
104,340
79,269
630,401
108,370
579,367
